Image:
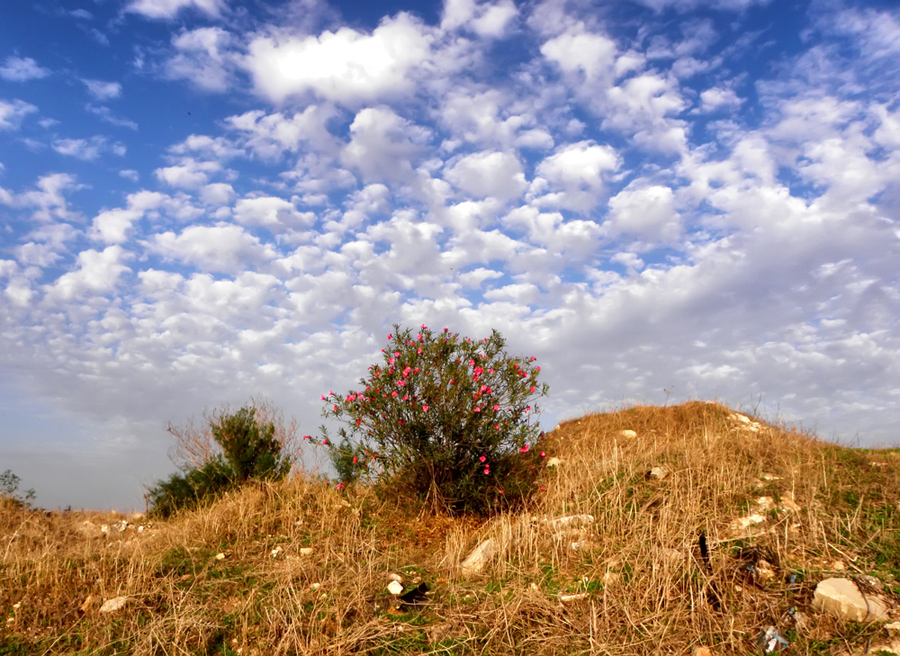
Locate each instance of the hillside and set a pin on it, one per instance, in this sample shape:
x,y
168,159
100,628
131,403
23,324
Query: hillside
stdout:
x,y
300,568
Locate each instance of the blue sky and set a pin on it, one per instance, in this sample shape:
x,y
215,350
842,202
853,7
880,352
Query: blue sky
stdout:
x,y
207,200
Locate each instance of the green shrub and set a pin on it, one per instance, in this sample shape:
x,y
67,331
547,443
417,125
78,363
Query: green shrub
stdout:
x,y
9,491
234,449
446,419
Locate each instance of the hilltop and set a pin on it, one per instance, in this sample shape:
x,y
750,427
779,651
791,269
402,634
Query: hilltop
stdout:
x,y
660,530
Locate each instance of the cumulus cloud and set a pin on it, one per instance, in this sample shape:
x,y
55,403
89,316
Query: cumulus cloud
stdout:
x,y
573,176
495,174
202,57
220,248
101,90
384,145
485,19
22,69
89,149
12,112
272,213
646,211
346,66
188,174
168,9
96,273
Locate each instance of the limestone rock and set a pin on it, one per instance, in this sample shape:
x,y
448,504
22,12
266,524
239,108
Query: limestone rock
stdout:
x,y
658,473
479,557
114,604
843,598
628,433
395,587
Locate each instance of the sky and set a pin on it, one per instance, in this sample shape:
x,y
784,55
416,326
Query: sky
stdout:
x,y
206,201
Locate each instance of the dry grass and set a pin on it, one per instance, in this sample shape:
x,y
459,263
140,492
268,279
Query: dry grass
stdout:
x,y
648,590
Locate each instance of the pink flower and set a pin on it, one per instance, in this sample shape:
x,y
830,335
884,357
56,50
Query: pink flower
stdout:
x,y
335,408
486,471
477,409
397,354
537,368
406,397
341,486
323,397
394,393
524,449
496,426
324,441
424,408
419,351
533,358
543,455
307,437
496,407
355,459
445,329
533,388
424,326
482,458
500,491
390,337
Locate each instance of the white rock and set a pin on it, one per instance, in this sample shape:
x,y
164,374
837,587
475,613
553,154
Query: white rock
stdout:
x,y
393,576
479,557
742,523
553,462
275,552
305,551
658,473
893,626
395,587
119,527
842,598
570,521
104,528
114,604
220,556
627,433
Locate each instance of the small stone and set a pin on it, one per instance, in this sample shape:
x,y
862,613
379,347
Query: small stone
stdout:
x,y
893,626
701,651
743,523
220,556
479,557
104,528
88,604
119,527
764,503
628,433
114,604
395,587
275,552
788,503
140,529
393,576
315,586
842,598
658,473
553,462
764,572
305,551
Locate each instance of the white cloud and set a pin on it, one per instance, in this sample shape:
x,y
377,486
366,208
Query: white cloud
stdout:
x,y
641,106
592,54
189,174
269,136
88,149
218,193
19,69
272,213
114,226
202,58
645,211
12,112
689,5
101,90
495,174
346,66
98,273
107,115
483,18
574,175
224,247
48,200
130,174
168,9
717,98
383,145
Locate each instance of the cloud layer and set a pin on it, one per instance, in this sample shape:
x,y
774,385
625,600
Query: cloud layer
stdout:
x,y
647,211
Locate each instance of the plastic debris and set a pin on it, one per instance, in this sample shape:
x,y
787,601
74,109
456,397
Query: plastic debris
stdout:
x,y
771,640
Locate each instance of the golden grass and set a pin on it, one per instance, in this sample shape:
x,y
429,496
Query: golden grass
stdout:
x,y
646,588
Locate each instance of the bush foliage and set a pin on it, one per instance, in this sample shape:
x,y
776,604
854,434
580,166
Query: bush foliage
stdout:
x,y
448,419
248,446
9,491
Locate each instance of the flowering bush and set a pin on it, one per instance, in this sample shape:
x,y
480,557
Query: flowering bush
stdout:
x,y
448,419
